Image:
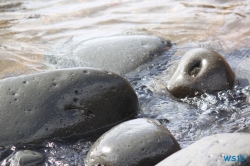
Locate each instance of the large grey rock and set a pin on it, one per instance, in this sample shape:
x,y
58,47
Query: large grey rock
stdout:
x,y
198,71
27,158
210,151
119,54
62,102
139,142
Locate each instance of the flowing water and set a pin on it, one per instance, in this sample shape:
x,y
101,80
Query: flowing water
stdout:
x,y
30,30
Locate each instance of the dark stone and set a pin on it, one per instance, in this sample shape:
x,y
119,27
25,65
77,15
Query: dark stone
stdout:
x,y
139,142
242,69
200,70
27,158
60,103
211,151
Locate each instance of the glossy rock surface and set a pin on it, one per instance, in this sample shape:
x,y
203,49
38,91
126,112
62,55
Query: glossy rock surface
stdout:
x,y
211,150
62,102
200,70
119,54
139,142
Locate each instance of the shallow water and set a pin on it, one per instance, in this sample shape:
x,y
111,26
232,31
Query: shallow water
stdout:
x,y
31,30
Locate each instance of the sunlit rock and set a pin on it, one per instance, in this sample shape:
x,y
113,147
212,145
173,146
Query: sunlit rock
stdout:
x,y
139,142
62,102
200,70
220,149
119,54
26,158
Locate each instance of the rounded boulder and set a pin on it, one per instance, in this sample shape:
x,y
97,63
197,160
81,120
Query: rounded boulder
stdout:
x,y
139,142
61,103
200,70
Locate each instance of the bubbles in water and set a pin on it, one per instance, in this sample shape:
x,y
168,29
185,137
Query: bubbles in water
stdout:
x,y
229,101
221,112
189,119
58,154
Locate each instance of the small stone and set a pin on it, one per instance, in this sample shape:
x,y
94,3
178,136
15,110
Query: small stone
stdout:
x,y
200,70
27,158
213,150
139,142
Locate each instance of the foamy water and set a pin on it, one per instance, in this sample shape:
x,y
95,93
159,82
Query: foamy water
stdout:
x,y
30,30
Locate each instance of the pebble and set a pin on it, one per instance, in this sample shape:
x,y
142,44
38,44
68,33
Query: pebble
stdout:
x,y
139,142
200,70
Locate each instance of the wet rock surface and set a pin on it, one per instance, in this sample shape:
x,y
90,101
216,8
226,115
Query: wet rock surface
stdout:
x,y
200,70
139,142
61,103
243,72
4,152
248,99
211,151
27,158
189,120
119,54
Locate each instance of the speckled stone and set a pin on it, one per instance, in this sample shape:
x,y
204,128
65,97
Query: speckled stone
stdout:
x,y
200,70
210,151
60,103
139,142
27,158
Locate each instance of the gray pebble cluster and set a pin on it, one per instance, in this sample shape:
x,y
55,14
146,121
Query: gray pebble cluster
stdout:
x,y
67,102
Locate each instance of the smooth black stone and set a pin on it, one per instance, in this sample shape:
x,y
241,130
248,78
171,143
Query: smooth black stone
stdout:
x,y
139,142
60,103
200,70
